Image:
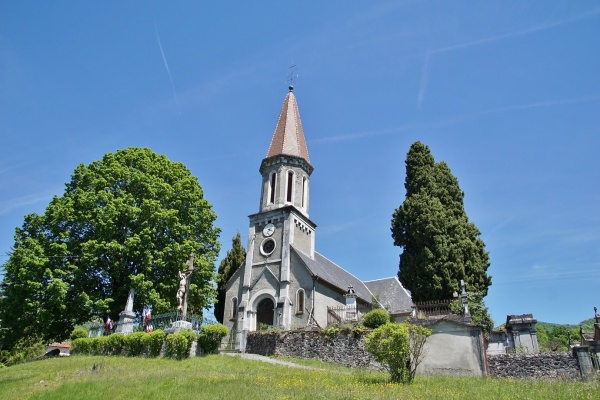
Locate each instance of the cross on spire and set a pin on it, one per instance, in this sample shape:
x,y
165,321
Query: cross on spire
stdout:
x,y
292,75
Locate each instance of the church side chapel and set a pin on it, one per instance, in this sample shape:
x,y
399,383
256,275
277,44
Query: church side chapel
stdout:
x,y
284,281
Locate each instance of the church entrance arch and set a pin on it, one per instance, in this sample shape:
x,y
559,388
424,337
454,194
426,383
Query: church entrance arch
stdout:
x,y
264,312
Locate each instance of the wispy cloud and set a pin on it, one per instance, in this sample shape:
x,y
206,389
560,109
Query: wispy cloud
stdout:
x,y
334,229
540,274
478,42
454,119
162,53
18,202
526,31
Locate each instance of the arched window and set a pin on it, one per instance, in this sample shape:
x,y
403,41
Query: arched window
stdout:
x,y
234,308
272,188
290,185
300,301
303,192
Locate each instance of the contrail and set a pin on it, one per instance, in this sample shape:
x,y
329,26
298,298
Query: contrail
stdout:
x,y
490,39
424,80
162,53
536,28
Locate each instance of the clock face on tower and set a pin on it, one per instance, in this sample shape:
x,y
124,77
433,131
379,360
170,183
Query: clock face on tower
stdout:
x,y
268,230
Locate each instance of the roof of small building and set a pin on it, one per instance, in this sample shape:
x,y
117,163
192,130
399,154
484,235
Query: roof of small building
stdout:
x,y
520,319
288,137
62,345
391,294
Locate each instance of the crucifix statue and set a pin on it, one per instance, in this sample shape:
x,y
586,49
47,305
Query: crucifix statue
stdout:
x,y
184,286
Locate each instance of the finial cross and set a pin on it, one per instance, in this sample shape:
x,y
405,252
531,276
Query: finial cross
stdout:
x,y
293,74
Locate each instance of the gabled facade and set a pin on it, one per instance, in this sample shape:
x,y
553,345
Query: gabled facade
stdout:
x,y
284,281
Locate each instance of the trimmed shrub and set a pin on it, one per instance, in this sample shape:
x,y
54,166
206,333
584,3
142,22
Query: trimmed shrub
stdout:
x,y
191,338
114,344
98,346
79,333
152,342
376,318
176,346
210,337
134,344
81,346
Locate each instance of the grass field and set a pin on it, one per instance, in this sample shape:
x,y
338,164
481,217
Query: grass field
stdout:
x,y
224,377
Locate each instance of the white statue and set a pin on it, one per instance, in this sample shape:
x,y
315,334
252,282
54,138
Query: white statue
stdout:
x,y
184,284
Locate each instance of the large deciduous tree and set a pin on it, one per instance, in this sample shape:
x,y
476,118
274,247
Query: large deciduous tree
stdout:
x,y
233,260
128,220
440,245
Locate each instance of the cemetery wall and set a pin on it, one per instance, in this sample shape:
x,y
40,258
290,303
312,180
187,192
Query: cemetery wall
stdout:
x,y
560,365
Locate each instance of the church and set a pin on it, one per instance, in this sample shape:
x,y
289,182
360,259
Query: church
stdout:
x,y
284,282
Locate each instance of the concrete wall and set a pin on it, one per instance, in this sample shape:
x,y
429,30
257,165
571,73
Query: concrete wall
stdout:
x,y
454,350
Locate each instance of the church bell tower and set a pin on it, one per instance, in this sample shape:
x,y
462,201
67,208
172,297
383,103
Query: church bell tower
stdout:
x,y
281,224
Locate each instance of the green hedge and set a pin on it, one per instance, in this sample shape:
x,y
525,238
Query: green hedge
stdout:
x,y
176,346
137,343
210,337
134,344
152,342
376,318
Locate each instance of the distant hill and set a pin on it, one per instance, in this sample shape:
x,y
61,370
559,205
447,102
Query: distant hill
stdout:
x,y
588,325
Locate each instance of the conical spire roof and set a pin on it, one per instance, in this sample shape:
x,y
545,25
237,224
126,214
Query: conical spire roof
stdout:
x,y
289,136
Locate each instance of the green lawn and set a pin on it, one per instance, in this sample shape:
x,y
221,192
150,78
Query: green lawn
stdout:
x,y
225,377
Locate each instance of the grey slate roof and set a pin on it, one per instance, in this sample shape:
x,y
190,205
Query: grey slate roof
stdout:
x,y
391,294
335,275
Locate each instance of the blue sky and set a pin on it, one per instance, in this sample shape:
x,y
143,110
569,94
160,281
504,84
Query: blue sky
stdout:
x,y
507,93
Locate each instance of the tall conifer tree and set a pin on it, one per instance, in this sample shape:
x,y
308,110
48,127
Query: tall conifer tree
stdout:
x,y
233,260
440,245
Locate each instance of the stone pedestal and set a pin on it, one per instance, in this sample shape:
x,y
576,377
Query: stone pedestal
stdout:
x,y
177,326
125,324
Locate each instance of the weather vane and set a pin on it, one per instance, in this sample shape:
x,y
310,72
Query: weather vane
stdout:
x,y
293,74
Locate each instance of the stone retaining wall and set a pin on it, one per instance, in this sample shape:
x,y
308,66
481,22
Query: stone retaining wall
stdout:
x,y
534,366
344,349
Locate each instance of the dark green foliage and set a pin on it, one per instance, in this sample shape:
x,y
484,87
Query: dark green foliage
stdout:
x,y
554,337
375,318
128,220
235,257
152,342
24,350
210,337
78,333
440,245
176,346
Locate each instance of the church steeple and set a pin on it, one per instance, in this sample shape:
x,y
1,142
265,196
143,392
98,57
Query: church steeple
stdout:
x,y
286,169
288,137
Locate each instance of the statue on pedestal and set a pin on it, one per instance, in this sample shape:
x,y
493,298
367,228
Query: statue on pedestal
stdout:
x,y
184,286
